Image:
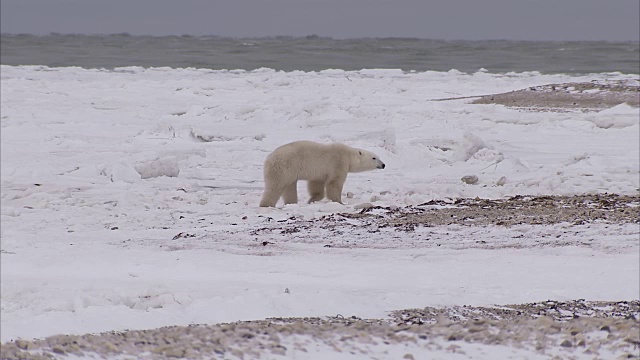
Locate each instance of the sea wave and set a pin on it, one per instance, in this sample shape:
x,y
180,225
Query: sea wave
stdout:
x,y
314,53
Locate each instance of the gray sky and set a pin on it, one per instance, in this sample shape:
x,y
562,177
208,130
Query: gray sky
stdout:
x,y
612,20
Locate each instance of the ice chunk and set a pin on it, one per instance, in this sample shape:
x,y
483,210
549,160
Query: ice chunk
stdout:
x,y
167,166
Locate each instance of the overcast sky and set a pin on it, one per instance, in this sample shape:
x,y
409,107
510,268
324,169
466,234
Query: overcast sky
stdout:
x,y
612,20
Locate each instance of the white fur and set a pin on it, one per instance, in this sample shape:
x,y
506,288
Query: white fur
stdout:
x,y
324,167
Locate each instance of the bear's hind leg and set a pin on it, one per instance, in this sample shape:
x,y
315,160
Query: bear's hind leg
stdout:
x,y
334,189
271,195
291,193
270,198
316,190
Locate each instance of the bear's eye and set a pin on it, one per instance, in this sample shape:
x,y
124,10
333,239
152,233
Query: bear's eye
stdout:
x,y
374,158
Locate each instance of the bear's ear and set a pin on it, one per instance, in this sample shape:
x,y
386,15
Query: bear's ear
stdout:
x,y
360,152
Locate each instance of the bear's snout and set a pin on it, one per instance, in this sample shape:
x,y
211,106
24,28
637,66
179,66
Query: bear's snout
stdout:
x,y
381,166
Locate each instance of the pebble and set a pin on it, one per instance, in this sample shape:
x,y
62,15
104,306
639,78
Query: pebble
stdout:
x,y
22,344
175,353
566,343
363,206
470,179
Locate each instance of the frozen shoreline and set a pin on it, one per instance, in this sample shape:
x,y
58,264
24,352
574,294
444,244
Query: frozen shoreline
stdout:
x,y
129,200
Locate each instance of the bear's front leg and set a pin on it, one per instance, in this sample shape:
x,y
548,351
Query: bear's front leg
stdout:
x,y
334,189
290,195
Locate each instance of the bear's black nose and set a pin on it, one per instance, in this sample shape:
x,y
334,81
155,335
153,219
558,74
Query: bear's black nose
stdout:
x,y
383,165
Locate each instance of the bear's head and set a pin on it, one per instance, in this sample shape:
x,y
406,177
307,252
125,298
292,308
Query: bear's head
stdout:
x,y
363,160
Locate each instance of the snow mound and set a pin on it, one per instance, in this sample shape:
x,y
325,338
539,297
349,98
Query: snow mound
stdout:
x,y
617,117
167,166
469,146
121,171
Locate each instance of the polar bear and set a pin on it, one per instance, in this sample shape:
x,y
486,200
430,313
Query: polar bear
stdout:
x,y
321,165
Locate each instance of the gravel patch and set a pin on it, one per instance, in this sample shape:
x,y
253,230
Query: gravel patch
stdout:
x,y
534,210
555,310
603,222
594,328
516,222
591,96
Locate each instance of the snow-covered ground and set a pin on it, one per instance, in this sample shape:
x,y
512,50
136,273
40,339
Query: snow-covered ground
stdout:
x,y
94,240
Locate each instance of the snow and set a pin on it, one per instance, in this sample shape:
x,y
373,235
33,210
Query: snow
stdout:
x,y
128,196
620,116
437,350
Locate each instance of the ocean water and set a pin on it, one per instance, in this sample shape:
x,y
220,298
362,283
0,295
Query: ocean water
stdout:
x,y
315,53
